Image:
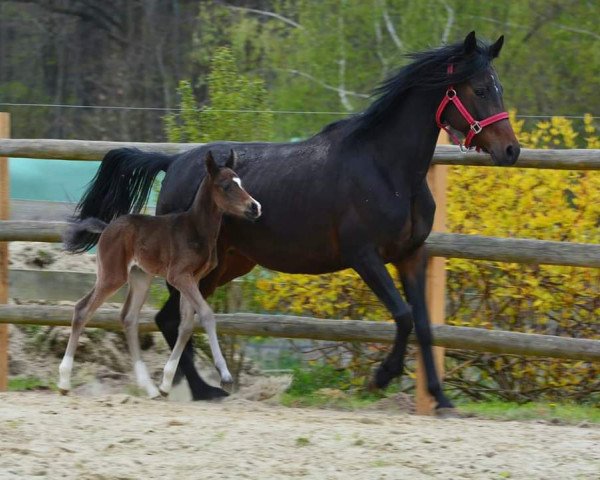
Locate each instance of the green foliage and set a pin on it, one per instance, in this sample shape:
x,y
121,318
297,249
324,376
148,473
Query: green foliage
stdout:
x,y
237,109
318,376
328,55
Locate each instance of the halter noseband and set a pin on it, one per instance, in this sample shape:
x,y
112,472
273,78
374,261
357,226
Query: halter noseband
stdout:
x,y
475,126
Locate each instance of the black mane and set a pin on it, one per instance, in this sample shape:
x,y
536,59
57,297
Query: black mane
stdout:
x,y
428,71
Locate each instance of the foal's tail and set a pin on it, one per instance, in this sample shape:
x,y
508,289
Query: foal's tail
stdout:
x,y
121,185
77,230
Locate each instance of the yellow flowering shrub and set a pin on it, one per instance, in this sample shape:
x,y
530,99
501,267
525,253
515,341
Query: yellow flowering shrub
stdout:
x,y
502,202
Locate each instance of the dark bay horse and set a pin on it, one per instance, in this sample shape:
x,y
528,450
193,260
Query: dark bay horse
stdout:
x,y
352,196
180,247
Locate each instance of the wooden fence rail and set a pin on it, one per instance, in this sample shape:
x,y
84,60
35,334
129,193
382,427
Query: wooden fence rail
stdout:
x,y
449,245
572,159
288,326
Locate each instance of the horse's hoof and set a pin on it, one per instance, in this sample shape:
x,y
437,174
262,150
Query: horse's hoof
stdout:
x,y
447,412
381,379
211,393
63,391
372,386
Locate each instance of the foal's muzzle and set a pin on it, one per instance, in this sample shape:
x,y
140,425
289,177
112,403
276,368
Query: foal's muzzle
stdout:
x,y
253,211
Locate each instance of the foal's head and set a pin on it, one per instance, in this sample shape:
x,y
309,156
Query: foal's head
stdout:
x,y
227,190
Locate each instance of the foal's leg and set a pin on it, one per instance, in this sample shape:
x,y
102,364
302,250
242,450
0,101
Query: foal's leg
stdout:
x,y
185,331
193,300
139,284
84,309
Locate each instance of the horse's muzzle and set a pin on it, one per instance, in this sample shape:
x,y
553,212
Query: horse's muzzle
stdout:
x,y
507,156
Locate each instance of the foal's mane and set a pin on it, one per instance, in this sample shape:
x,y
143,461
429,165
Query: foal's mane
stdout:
x,y
427,71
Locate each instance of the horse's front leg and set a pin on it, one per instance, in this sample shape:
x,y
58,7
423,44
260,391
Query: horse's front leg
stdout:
x,y
412,271
371,268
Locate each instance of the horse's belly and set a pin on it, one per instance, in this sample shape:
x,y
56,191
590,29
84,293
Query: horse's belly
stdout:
x,y
291,251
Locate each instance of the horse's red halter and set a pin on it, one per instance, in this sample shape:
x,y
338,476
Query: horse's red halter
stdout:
x,y
475,126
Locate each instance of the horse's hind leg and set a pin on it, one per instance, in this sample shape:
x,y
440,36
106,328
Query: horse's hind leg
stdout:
x,y
371,268
139,284
84,309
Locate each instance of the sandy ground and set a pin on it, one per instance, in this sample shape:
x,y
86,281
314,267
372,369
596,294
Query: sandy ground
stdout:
x,y
122,437
51,255
100,432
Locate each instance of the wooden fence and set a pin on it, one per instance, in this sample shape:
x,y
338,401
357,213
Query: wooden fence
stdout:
x,y
439,244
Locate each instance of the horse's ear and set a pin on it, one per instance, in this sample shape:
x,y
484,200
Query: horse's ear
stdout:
x,y
470,43
211,166
496,47
232,160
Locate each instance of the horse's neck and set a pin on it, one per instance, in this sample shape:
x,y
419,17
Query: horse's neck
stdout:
x,y
406,142
204,212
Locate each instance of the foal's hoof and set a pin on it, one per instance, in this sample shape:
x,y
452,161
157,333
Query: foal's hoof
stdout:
x,y
447,412
163,394
227,386
63,391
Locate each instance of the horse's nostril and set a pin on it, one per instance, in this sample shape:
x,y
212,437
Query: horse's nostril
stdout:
x,y
254,208
512,152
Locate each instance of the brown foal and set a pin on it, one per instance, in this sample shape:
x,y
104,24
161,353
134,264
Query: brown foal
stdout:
x,y
179,247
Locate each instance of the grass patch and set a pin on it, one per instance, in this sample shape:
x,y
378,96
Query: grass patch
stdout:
x,y
22,384
563,412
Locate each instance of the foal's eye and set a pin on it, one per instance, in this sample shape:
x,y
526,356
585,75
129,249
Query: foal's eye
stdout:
x,y
227,186
480,92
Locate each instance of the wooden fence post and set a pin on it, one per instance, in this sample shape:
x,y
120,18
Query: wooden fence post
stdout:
x,y
4,215
436,283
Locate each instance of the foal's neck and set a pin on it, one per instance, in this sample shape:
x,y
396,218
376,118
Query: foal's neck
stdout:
x,y
204,212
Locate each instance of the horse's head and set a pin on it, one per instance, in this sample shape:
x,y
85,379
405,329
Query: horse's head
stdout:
x,y
475,107
227,190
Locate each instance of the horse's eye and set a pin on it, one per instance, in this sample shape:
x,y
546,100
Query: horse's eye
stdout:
x,y
227,186
480,92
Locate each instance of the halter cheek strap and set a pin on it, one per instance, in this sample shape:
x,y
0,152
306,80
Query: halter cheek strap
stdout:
x,y
475,126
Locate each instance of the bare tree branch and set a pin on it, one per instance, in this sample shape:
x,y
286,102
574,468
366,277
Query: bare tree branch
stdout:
x,y
83,14
323,84
390,27
449,21
577,30
378,52
342,65
267,14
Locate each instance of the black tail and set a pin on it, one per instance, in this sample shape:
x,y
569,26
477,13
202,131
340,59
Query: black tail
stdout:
x,y
78,229
121,185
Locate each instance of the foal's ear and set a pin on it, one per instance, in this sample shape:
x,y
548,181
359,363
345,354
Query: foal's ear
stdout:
x,y
496,47
470,43
232,160
211,166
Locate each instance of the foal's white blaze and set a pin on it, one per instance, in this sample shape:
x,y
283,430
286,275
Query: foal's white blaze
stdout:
x,y
238,180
